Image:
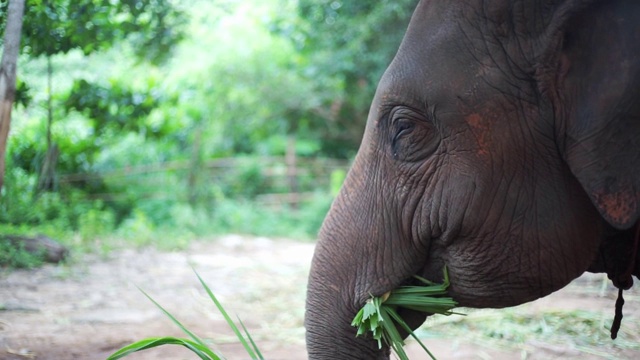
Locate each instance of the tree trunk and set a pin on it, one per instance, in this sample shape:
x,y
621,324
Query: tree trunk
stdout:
x,y
46,181
8,66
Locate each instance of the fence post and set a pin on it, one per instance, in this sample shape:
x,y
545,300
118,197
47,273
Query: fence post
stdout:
x,y
195,168
292,171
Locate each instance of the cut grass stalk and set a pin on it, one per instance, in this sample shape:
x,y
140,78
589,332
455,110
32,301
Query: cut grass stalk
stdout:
x,y
379,313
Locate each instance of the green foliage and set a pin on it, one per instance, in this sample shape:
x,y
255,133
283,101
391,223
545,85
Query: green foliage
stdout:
x,y
245,181
23,97
350,32
311,215
114,108
95,223
348,45
379,314
245,217
337,178
137,140
16,257
138,227
59,213
53,27
242,85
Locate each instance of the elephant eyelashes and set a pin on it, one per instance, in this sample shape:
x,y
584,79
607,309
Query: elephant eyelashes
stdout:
x,y
403,128
412,135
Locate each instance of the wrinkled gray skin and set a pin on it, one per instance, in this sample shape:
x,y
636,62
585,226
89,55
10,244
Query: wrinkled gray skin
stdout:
x,y
503,141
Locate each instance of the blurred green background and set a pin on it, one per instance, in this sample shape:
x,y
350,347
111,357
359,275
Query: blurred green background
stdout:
x,y
154,122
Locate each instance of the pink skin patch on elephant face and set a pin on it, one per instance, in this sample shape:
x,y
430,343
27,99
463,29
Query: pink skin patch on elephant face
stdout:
x,y
618,206
481,130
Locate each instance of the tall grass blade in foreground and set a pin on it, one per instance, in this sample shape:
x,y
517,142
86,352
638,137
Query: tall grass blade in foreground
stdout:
x,y
195,344
250,350
193,336
379,313
202,351
255,347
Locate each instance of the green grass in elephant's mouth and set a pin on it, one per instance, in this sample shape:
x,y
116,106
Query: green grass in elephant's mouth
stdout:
x,y
379,313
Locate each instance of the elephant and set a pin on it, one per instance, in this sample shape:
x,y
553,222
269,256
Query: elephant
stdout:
x,y
503,142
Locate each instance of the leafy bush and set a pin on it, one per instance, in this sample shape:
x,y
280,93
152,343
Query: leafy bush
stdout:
x,y
17,197
246,182
138,228
62,210
312,212
13,256
95,223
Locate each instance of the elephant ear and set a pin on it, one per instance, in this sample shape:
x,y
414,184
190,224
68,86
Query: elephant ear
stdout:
x,y
601,93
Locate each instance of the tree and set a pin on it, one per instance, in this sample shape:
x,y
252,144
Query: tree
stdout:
x,y
57,27
13,30
348,44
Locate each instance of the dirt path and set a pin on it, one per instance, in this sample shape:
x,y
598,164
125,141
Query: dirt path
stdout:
x,y
92,307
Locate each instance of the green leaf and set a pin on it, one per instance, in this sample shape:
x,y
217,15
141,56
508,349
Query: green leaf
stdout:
x,y
357,320
369,309
373,323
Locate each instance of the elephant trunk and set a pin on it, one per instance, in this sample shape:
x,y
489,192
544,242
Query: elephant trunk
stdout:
x,y
360,253
328,318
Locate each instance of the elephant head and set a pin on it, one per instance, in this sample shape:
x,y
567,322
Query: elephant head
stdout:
x,y
503,142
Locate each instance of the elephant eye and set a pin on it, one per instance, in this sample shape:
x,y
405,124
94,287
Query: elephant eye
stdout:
x,y
403,127
412,135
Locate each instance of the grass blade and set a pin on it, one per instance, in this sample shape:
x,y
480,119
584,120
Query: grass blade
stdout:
x,y
149,343
182,327
255,347
394,314
226,316
393,336
379,316
195,344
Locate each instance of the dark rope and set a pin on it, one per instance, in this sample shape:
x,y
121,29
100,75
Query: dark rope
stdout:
x,y
625,281
617,320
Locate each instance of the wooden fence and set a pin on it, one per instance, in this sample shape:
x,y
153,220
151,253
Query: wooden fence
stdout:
x,y
284,180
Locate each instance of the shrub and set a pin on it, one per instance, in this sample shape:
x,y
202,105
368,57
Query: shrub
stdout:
x,y
15,256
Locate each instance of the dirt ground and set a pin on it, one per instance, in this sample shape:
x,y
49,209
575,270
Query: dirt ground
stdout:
x,y
90,307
